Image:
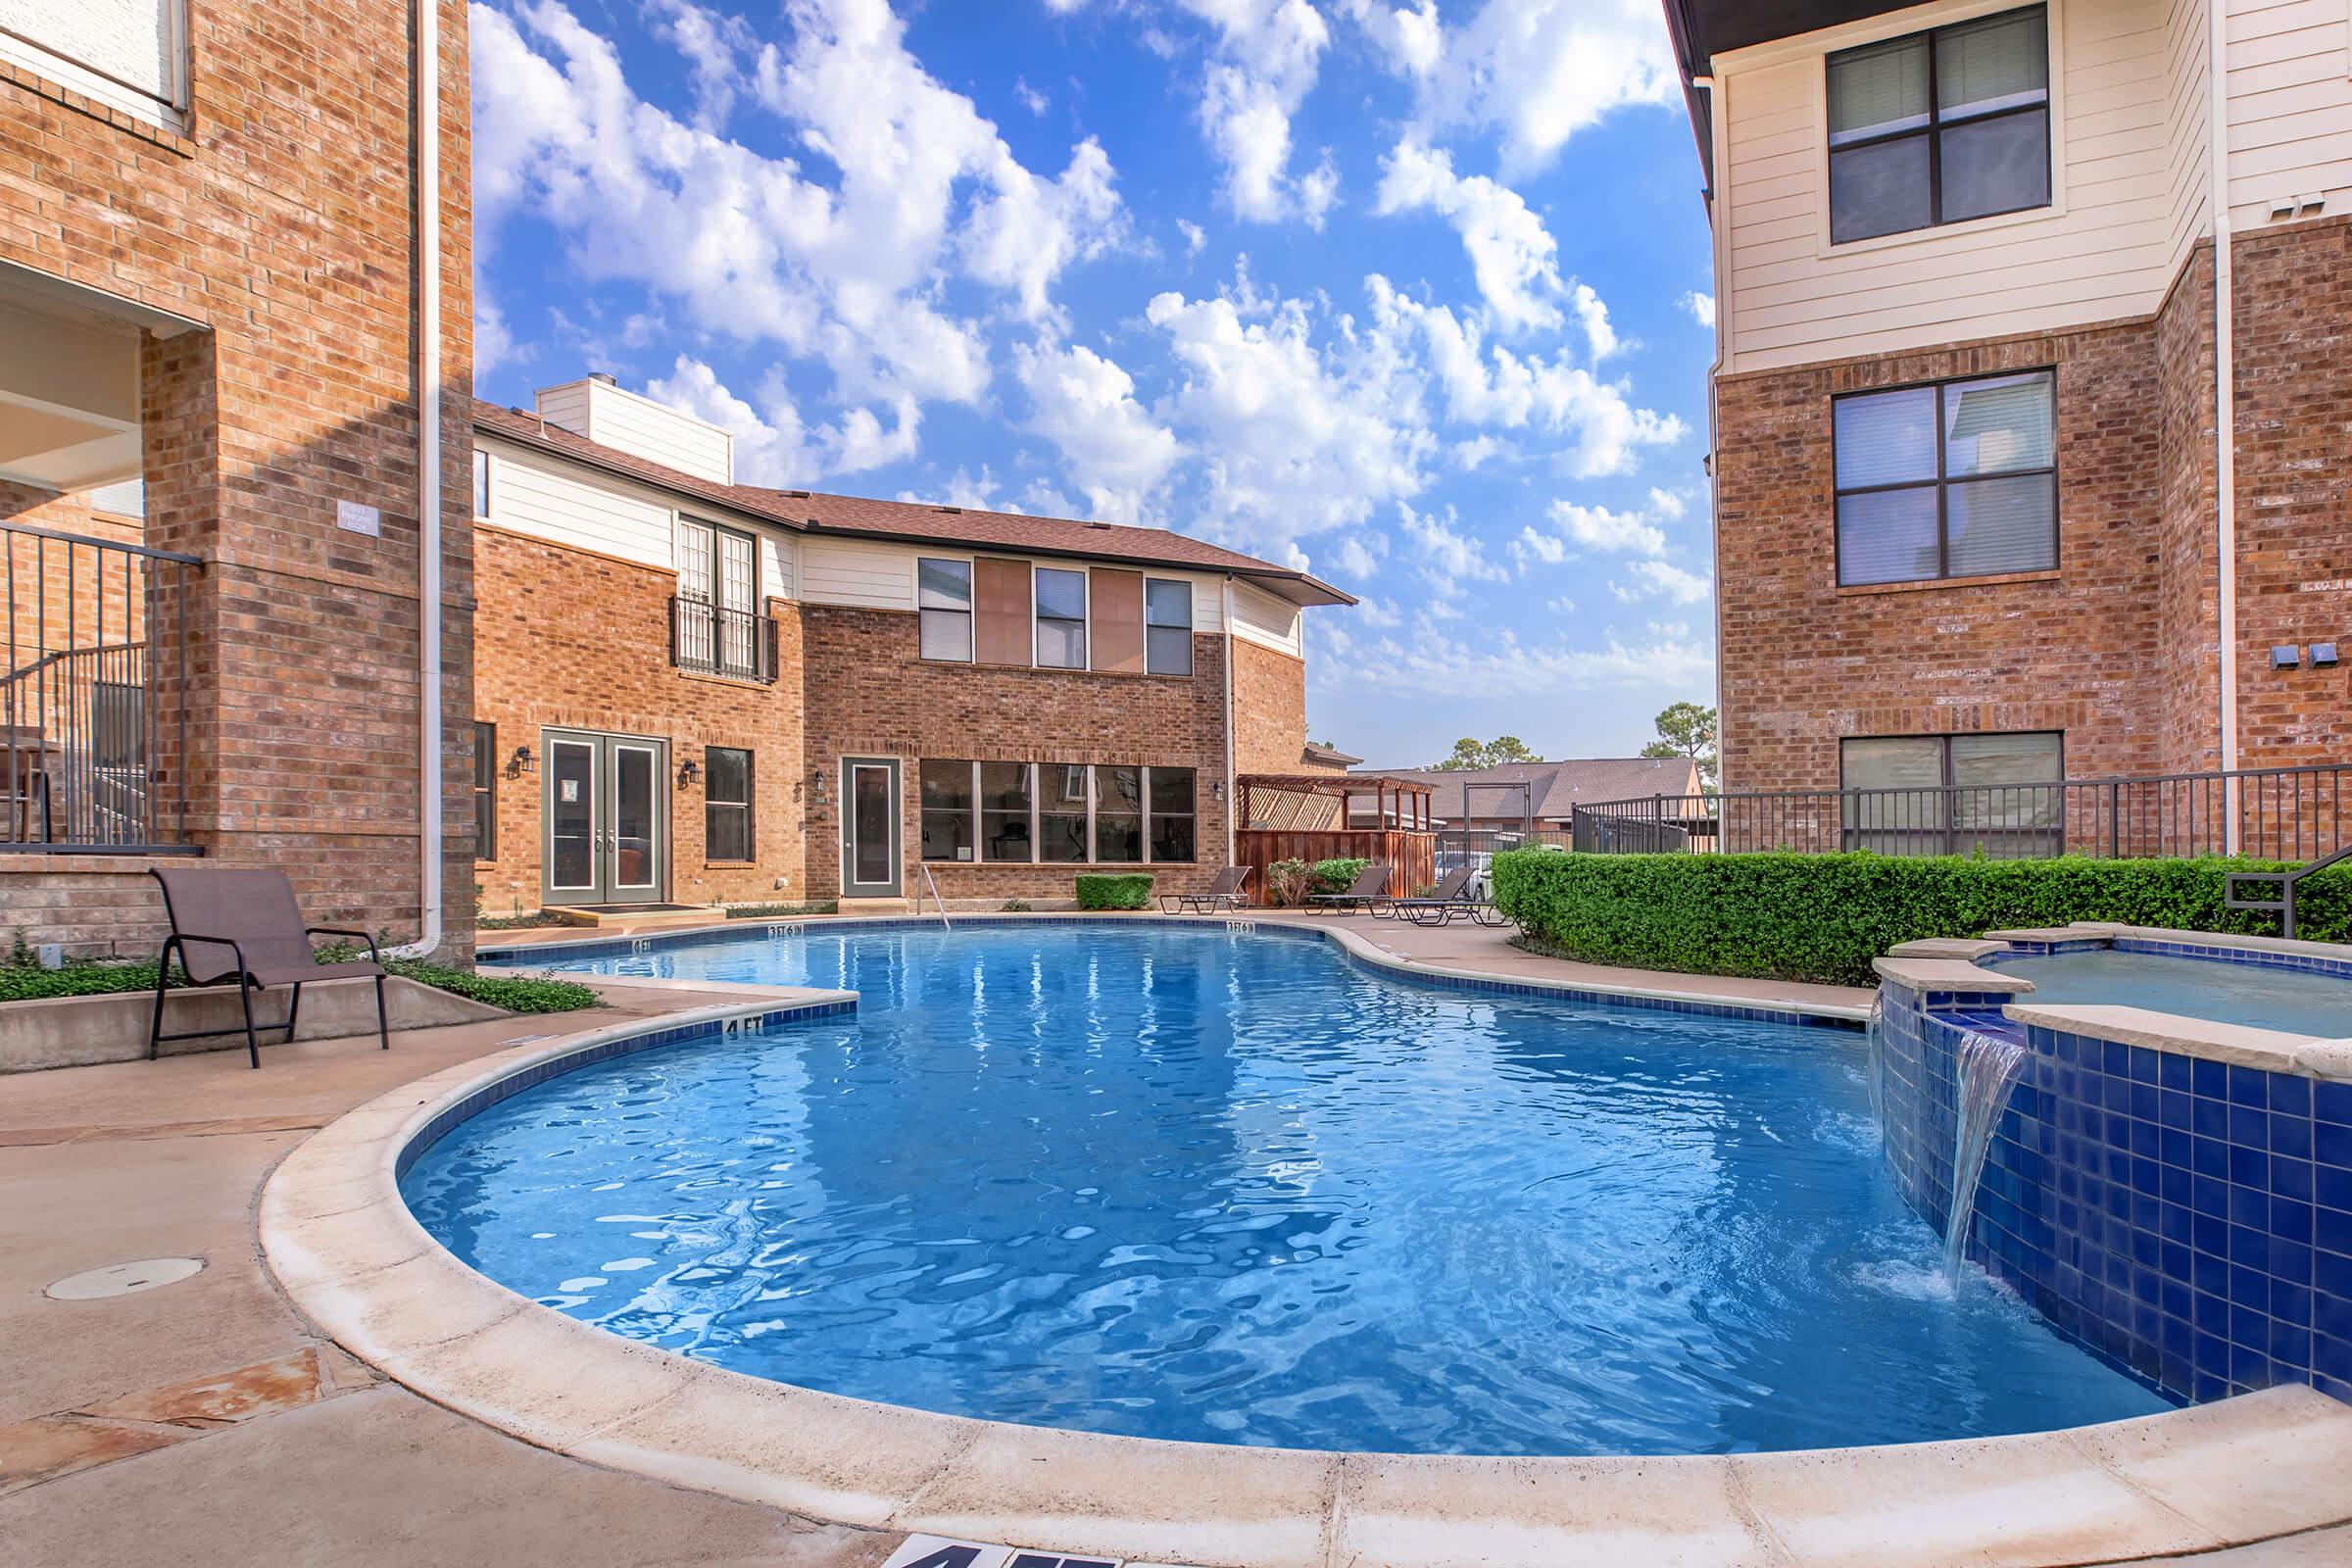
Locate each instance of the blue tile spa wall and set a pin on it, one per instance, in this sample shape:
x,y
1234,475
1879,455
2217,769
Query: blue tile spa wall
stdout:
x,y
2187,1220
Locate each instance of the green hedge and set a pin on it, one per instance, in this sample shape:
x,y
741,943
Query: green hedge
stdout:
x,y
1114,890
28,982
1336,876
1825,916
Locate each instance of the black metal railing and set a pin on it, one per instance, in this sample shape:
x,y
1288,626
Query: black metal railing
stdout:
x,y
93,710
2279,813
1476,847
710,640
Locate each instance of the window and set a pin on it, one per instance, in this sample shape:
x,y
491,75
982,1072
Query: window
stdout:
x,y
947,810
727,803
1955,480
1941,127
1060,619
1998,795
1005,797
481,482
1118,813
1172,811
944,602
485,791
1115,622
1062,813
719,630
1168,627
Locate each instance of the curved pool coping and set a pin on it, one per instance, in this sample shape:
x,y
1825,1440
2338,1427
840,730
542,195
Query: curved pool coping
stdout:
x,y
341,1239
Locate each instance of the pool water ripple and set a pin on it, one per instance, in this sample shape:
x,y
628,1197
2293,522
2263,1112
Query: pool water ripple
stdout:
x,y
1179,1184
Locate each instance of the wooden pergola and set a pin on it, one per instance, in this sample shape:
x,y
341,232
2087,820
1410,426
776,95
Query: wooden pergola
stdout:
x,y
1313,816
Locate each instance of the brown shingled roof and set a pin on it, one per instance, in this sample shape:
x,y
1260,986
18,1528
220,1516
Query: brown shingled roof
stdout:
x,y
862,518
1555,789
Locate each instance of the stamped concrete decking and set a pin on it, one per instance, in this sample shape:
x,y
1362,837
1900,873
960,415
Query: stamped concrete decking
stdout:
x,y
208,1422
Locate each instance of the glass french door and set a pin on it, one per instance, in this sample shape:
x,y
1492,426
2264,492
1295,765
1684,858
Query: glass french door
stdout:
x,y
608,834
869,827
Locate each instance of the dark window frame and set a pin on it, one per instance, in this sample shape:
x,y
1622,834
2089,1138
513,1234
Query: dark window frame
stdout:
x,y
1039,621
1190,593
485,790
748,806
968,812
1943,481
970,611
1950,830
1154,816
1933,130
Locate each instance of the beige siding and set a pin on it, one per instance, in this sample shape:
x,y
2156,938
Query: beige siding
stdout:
x,y
854,572
613,417
2127,183
577,508
2290,105
1260,618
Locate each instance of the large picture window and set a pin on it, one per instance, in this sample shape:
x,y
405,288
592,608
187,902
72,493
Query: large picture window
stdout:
x,y
1941,127
1172,809
485,791
1953,480
1061,812
726,803
1060,619
1167,627
1004,799
944,602
1998,795
948,812
1118,813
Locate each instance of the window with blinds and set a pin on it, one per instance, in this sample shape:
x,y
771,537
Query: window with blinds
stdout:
x,y
943,597
1998,795
1941,127
1959,479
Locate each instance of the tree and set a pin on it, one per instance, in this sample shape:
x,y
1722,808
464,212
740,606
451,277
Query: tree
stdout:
x,y
1501,751
1686,730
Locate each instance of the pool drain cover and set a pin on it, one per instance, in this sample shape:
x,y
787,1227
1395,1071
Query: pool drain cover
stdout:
x,y
123,1279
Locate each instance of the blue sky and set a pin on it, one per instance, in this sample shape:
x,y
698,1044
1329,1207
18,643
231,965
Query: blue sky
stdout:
x,y
1410,294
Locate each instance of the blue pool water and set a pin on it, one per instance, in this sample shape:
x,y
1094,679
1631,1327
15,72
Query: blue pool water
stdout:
x,y
1180,1183
2296,1000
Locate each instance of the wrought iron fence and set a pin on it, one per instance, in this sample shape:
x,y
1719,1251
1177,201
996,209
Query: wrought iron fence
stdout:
x,y
2283,813
93,712
1476,846
740,644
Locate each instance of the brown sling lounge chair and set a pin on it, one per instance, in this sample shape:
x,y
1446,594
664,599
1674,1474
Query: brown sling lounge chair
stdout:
x,y
244,927
1369,891
1224,893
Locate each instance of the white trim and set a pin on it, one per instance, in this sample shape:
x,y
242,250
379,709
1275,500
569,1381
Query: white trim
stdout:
x,y
549,740
657,813
896,769
1086,621
425,122
971,608
2224,399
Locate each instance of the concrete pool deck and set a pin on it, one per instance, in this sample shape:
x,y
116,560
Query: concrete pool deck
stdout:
x,y
213,1421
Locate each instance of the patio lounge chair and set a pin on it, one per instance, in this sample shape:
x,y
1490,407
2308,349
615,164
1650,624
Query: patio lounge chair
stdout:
x,y
1224,893
1369,891
243,926
1449,898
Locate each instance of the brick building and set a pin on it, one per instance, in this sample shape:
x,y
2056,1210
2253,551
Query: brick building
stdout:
x,y
1995,503
235,271
692,691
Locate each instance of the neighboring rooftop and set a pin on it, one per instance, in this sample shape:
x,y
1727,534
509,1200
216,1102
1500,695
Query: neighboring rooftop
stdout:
x,y
1555,789
861,517
1328,756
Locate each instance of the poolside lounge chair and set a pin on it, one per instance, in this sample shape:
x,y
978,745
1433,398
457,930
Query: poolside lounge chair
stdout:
x,y
1224,893
1369,891
243,926
1449,898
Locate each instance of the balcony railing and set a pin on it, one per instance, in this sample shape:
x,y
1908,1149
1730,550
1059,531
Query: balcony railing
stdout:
x,y
93,714
710,640
2282,813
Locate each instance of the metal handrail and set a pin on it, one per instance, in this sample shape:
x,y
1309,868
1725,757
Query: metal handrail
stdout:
x,y
2283,906
936,903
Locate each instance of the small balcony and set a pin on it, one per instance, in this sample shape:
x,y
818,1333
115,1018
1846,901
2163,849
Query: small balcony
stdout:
x,y
709,639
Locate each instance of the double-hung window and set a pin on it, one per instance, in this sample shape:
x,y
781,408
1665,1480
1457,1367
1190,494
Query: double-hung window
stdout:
x,y
1167,627
944,603
726,803
1958,479
947,813
1941,127
485,791
719,628
2001,796
1060,619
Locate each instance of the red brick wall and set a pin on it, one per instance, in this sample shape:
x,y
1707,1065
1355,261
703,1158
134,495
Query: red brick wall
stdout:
x,y
1269,711
2186,675
868,695
281,222
578,641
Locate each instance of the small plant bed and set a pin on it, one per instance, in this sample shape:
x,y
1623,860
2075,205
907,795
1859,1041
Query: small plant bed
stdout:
x,y
24,981
535,921
777,912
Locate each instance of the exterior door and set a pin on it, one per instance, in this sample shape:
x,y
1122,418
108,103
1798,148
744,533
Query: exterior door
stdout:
x,y
608,830
869,827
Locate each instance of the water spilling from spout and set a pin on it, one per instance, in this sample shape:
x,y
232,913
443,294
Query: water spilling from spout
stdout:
x,y
1988,1068
1874,1034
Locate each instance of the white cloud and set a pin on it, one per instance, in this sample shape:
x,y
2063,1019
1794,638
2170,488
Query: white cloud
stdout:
x,y
1666,504
493,341
1267,55
1560,606
1593,315
1701,308
1411,38
962,489
1376,612
1503,668
772,446
1195,237
1036,103
1444,554
1659,579
713,45
1086,406
1512,256
1360,553
1600,528
1477,451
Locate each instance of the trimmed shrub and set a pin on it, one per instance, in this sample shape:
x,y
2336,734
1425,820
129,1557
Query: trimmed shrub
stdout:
x,y
1114,890
1824,917
1334,877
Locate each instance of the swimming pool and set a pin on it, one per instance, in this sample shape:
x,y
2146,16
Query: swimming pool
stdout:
x,y
2258,995
1176,1182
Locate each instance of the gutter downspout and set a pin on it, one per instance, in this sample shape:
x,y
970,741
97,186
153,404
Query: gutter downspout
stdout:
x,y
427,157
2224,400
1232,803
1719,237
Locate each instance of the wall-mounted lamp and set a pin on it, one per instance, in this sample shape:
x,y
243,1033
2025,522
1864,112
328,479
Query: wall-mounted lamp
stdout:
x,y
1216,790
2286,656
816,781
2323,655
688,771
522,762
